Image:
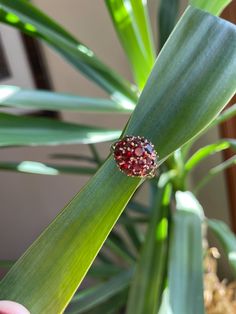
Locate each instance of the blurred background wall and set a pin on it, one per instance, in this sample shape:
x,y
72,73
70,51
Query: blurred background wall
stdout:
x,y
29,202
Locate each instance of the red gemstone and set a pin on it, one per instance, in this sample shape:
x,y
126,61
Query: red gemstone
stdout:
x,y
138,151
135,156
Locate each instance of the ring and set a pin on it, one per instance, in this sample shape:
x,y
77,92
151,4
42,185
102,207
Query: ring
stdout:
x,y
135,156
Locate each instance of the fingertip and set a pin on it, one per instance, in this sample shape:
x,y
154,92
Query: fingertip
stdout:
x,y
10,307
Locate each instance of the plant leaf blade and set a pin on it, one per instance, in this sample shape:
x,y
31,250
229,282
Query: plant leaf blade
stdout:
x,y
131,22
213,7
13,96
31,131
27,18
185,272
65,251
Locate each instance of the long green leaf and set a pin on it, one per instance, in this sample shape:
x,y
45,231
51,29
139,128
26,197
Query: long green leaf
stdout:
x,y
131,21
212,6
178,90
186,259
31,131
193,53
13,96
146,289
34,167
168,13
24,16
215,171
91,298
208,150
226,238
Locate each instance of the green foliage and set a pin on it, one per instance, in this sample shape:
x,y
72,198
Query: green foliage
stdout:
x,y
168,13
190,83
213,7
185,270
227,239
13,96
32,21
131,22
31,131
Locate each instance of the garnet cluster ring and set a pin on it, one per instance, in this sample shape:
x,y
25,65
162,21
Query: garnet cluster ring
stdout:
x,y
135,156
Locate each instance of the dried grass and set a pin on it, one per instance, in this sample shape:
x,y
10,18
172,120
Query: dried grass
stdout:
x,y
219,296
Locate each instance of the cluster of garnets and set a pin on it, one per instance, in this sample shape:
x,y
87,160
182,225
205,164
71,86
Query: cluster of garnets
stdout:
x,y
135,156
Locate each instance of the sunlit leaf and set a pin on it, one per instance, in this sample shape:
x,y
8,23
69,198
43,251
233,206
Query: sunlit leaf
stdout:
x,y
208,150
32,131
212,6
131,21
180,98
13,96
24,16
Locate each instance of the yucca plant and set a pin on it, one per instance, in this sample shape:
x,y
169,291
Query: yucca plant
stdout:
x,y
172,103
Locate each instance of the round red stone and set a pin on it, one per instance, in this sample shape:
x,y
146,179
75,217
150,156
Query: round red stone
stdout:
x,y
135,156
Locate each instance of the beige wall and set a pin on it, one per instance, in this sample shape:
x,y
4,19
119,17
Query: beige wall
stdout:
x,y
29,203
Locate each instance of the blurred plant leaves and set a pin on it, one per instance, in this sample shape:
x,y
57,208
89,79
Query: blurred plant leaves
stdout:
x,y
27,18
225,115
131,21
90,298
32,131
212,6
215,171
226,238
168,14
13,96
185,274
208,150
33,167
180,98
147,285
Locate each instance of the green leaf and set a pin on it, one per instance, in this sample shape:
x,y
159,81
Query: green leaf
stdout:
x,y
225,115
131,21
117,245
214,171
185,274
111,306
226,238
208,150
177,91
177,81
27,18
104,270
13,96
34,167
147,285
90,298
31,131
212,6
168,13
